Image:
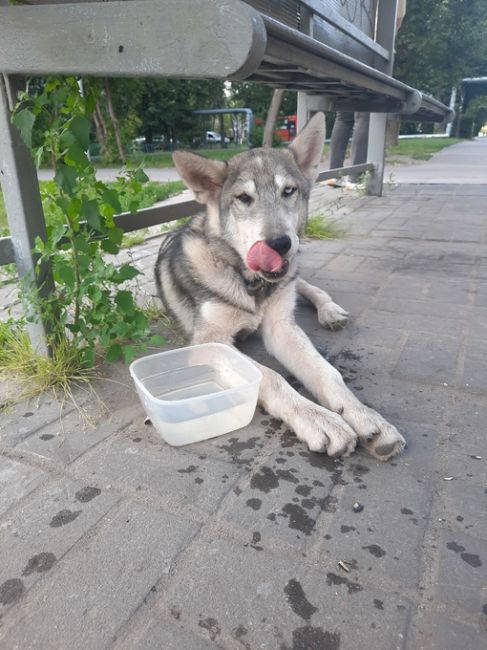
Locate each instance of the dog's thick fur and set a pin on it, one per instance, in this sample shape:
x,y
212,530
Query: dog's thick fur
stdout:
x,y
205,280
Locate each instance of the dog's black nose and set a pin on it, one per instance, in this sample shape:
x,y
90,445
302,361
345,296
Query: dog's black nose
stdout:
x,y
281,245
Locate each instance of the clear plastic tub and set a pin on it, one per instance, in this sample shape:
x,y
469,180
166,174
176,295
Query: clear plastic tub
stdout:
x,y
197,392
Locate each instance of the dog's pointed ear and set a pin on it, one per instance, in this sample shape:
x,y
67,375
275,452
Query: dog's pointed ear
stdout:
x,y
203,176
307,147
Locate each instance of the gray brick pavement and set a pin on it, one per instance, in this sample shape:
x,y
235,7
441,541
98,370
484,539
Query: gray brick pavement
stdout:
x,y
111,539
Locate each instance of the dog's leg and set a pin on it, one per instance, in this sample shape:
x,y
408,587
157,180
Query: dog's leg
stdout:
x,y
330,314
290,345
321,429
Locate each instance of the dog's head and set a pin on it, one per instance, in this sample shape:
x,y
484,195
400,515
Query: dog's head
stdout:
x,y
258,201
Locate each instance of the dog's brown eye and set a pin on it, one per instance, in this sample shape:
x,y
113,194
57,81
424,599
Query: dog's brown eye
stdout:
x,y
245,198
288,191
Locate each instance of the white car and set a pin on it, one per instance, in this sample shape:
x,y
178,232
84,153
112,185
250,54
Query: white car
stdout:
x,y
213,136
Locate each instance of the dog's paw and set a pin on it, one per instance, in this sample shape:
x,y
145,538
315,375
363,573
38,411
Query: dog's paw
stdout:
x,y
325,431
332,316
381,439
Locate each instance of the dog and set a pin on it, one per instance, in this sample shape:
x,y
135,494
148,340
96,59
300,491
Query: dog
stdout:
x,y
234,269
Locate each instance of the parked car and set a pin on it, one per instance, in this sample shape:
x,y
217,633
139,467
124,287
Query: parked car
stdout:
x,y
214,137
158,143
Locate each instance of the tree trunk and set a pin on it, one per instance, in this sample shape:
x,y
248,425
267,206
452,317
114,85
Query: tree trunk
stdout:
x,y
101,128
393,127
221,124
114,120
270,123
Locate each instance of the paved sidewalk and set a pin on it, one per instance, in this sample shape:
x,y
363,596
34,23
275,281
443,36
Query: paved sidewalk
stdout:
x,y
111,539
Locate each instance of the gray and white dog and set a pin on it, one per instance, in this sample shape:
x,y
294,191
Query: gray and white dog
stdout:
x,y
234,269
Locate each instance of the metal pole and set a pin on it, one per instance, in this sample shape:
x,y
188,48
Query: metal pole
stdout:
x,y
18,177
453,99
385,36
302,113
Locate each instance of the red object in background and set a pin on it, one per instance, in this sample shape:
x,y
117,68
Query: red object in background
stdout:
x,y
286,129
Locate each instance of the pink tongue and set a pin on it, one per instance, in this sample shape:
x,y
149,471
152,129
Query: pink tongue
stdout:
x,y
262,257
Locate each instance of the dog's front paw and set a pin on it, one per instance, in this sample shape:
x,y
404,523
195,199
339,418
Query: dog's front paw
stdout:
x,y
332,316
325,431
381,439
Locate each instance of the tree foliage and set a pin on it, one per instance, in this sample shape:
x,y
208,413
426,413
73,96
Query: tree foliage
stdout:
x,y
440,42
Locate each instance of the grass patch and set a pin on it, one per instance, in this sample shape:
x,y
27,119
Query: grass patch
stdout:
x,y
163,159
32,373
321,227
421,148
3,217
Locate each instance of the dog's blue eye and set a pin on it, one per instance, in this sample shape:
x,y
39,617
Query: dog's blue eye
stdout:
x,y
245,198
288,191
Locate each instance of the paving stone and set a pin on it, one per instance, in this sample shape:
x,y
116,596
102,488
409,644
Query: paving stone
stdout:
x,y
96,587
157,633
451,291
384,538
335,285
278,601
410,402
357,335
481,295
282,498
16,480
425,307
462,561
478,323
345,263
474,375
412,322
429,359
452,635
182,479
28,416
242,447
65,440
35,536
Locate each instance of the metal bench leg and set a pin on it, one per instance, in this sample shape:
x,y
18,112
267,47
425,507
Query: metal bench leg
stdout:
x,y
376,153
25,216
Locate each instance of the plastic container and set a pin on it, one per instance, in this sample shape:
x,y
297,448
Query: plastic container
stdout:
x,y
197,392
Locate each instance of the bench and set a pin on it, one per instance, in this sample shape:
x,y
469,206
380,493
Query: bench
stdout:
x,y
336,54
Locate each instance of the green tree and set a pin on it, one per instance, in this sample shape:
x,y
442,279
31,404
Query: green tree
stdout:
x,y
440,42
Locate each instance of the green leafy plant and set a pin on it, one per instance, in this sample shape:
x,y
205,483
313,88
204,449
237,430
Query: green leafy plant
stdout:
x,y
319,226
91,307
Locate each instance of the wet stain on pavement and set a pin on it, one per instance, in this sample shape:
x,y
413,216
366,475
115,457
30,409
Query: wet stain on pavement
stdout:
x,y
39,563
188,470
313,638
298,519
264,480
303,490
210,624
64,517
298,601
334,579
235,447
375,550
87,494
255,504
11,591
256,537
346,529
470,558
